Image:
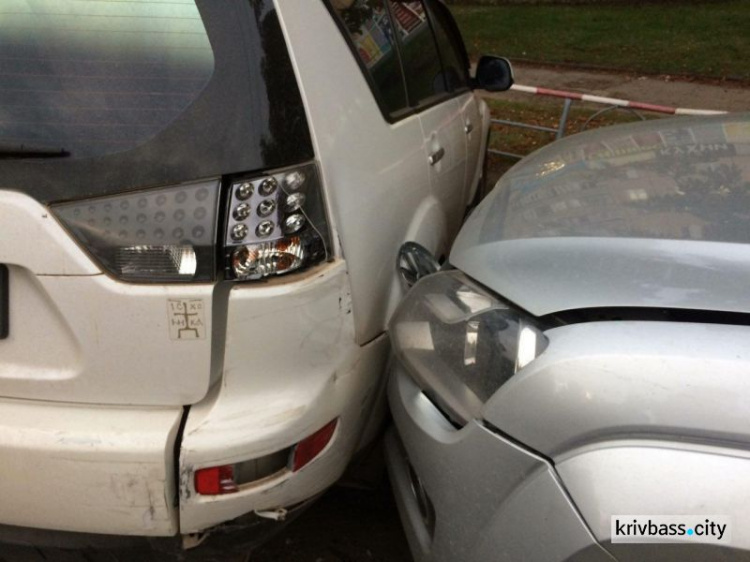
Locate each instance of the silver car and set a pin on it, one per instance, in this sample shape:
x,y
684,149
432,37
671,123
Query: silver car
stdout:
x,y
575,385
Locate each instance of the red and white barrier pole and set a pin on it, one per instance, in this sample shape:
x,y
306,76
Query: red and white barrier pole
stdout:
x,y
613,101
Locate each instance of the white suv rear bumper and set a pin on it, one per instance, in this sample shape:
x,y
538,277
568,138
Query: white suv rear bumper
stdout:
x,y
88,469
291,365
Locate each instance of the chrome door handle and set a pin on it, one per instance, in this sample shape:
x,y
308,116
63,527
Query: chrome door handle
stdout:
x,y
436,156
468,128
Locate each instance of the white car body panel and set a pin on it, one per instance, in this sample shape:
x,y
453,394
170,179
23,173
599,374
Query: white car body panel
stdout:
x,y
48,452
59,350
32,238
291,366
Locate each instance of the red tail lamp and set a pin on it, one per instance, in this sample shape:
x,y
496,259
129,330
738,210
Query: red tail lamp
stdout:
x,y
220,480
216,481
310,447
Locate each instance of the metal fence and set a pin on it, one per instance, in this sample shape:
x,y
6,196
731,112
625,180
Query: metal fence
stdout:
x,y
609,104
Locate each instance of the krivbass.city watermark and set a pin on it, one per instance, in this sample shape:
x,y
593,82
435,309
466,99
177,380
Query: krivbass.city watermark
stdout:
x,y
714,529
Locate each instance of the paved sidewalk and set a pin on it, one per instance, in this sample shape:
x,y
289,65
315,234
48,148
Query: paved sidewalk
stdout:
x,y
662,90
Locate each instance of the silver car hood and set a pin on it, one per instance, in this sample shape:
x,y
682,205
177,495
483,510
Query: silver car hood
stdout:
x,y
654,214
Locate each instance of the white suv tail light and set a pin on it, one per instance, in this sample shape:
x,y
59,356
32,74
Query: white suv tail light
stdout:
x,y
275,224
160,235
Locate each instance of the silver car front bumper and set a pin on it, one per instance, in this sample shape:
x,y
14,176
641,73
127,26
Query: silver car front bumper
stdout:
x,y
468,494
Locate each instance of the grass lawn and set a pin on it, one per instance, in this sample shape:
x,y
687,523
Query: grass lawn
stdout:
x,y
709,39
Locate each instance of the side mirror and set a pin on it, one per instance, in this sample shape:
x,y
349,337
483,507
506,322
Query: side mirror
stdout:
x,y
414,262
494,74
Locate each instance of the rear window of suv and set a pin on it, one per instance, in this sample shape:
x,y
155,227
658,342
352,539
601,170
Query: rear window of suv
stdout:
x,y
144,93
98,76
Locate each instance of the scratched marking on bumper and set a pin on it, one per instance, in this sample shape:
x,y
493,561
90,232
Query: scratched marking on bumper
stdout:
x,y
186,319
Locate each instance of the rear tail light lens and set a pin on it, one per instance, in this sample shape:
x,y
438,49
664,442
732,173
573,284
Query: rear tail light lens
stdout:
x,y
309,448
274,258
216,481
227,479
165,235
276,224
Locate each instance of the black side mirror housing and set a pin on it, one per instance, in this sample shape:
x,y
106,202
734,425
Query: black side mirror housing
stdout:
x,y
414,262
494,74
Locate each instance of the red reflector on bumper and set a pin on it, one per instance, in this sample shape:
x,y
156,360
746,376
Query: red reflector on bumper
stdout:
x,y
215,481
312,446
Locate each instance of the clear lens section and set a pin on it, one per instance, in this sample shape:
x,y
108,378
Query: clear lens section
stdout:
x,y
157,261
294,223
295,180
286,228
294,202
161,235
460,343
239,232
257,261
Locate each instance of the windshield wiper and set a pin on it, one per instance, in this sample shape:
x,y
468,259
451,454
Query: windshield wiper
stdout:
x,y
15,151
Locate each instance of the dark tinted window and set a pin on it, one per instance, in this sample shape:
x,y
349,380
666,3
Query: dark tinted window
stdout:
x,y
248,117
98,76
369,28
422,67
452,50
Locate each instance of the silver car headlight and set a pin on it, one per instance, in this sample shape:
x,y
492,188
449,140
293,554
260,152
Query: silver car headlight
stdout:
x,y
461,343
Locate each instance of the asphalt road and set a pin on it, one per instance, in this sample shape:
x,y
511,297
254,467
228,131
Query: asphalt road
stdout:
x,y
346,525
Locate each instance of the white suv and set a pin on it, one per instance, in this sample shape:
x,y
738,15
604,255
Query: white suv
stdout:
x,y
200,202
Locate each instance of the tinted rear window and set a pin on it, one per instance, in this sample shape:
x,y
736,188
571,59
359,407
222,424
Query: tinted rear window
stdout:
x,y
98,76
145,93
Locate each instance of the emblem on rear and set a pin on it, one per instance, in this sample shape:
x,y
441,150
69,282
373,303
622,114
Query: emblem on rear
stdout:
x,y
186,319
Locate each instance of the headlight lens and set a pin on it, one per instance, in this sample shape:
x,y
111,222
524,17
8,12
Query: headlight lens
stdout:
x,y
461,343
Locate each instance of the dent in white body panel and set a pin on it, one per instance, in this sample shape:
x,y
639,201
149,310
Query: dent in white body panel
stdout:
x,y
87,469
291,366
